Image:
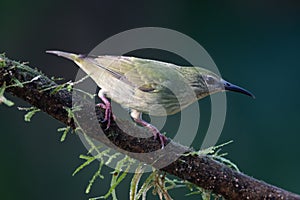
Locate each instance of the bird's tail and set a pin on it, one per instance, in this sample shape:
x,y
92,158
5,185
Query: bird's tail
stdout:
x,y
67,55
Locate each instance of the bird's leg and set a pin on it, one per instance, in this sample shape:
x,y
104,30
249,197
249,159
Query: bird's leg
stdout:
x,y
105,105
137,117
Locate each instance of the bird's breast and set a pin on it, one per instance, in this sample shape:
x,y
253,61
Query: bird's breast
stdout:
x,y
161,103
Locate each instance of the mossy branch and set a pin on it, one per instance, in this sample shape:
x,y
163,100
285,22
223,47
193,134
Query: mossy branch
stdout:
x,y
202,170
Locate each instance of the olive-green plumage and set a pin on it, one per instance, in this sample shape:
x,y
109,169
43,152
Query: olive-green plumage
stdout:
x,y
150,86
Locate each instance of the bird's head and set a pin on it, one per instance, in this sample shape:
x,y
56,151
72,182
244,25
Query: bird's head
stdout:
x,y
216,84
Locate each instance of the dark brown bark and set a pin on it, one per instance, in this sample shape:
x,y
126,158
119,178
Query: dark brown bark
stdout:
x,y
200,170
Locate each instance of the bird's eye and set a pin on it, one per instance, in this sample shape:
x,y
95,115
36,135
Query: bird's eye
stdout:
x,y
210,80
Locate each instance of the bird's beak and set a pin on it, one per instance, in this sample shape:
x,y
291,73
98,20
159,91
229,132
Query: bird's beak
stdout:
x,y
231,87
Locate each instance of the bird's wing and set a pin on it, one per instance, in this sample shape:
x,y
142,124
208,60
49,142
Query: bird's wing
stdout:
x,y
143,74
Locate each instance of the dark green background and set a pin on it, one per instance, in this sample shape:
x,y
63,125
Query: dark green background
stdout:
x,y
254,43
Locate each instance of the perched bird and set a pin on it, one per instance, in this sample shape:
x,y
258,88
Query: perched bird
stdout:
x,y
148,86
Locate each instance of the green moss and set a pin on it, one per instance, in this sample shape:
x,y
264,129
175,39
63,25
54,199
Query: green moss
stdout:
x,y
2,60
3,99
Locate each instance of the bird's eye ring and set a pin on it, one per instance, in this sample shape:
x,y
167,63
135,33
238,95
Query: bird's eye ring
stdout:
x,y
210,80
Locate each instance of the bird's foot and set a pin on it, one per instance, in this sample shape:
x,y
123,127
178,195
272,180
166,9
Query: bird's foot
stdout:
x,y
157,134
108,112
137,117
162,138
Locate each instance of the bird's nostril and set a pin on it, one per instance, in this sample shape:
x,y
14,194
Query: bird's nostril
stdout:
x,y
227,84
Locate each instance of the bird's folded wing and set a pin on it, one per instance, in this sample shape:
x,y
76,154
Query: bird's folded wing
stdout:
x,y
143,74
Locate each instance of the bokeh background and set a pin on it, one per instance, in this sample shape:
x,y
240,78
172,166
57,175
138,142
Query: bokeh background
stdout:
x,y
254,43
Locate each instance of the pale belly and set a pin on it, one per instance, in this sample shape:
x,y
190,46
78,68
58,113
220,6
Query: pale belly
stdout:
x,y
161,103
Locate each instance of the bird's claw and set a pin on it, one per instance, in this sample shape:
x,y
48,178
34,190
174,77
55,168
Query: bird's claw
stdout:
x,y
108,113
157,134
162,138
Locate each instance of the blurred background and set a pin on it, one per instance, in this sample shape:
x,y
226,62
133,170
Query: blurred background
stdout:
x,y
254,44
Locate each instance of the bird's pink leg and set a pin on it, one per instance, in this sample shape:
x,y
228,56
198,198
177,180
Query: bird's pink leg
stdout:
x,y
137,117
107,106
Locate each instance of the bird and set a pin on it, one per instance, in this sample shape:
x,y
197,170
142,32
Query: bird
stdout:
x,y
148,86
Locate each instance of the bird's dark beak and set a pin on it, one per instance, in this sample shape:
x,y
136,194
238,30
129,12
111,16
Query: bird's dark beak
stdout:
x,y
231,87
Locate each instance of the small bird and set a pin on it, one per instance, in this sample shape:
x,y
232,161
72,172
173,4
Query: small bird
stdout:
x,y
148,86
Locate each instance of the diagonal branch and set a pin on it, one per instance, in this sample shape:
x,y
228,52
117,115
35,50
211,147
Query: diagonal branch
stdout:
x,y
200,170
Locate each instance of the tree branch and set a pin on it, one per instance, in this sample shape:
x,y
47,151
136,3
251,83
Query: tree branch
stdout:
x,y
203,171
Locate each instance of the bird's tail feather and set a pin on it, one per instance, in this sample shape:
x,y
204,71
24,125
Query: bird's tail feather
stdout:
x,y
67,55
